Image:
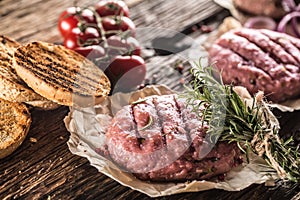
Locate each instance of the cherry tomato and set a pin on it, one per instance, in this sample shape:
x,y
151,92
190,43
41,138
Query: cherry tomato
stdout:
x,y
70,18
126,72
66,25
118,24
112,7
88,16
91,52
119,46
76,38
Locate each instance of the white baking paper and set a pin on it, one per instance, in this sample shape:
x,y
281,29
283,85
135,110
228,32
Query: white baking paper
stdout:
x,y
87,127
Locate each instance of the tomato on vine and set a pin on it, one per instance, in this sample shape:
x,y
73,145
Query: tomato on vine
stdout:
x,y
112,7
114,24
91,52
71,17
126,72
105,35
78,37
123,46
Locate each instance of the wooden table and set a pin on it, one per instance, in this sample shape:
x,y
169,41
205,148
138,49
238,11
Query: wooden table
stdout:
x,y
44,168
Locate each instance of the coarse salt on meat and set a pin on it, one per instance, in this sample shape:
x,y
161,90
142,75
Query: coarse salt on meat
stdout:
x,y
160,139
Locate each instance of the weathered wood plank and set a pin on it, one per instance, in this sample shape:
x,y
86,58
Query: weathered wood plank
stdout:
x,y
30,23
46,169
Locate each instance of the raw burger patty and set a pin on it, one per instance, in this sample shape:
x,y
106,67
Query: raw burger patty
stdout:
x,y
259,60
160,139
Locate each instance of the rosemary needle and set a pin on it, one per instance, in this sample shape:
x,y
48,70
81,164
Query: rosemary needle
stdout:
x,y
241,123
150,121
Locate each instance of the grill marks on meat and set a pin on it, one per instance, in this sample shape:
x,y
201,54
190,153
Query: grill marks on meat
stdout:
x,y
290,45
167,128
275,50
173,127
250,52
239,71
259,60
164,139
169,147
151,139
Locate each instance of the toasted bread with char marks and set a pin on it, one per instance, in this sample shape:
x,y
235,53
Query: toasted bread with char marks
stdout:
x,y
15,122
60,74
12,87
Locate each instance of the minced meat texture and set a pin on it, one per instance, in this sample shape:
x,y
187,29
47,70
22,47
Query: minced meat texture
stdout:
x,y
260,60
160,139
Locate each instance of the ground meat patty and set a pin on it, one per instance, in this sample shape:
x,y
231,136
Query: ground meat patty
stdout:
x,y
160,139
259,60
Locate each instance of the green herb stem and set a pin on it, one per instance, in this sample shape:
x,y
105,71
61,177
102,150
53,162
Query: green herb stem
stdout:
x,y
241,123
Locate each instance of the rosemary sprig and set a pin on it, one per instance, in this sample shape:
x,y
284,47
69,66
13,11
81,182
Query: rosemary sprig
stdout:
x,y
149,123
231,120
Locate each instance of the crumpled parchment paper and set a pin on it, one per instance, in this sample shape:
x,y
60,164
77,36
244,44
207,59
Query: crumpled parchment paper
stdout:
x,y
88,125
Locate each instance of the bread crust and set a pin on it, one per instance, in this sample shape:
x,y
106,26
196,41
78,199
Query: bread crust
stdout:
x,y
15,122
8,44
12,87
60,75
43,104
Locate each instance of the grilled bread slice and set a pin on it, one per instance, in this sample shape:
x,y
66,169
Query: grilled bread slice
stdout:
x,y
61,75
12,87
44,104
15,122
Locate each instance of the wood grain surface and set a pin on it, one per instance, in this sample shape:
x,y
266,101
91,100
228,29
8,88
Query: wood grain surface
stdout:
x,y
44,168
